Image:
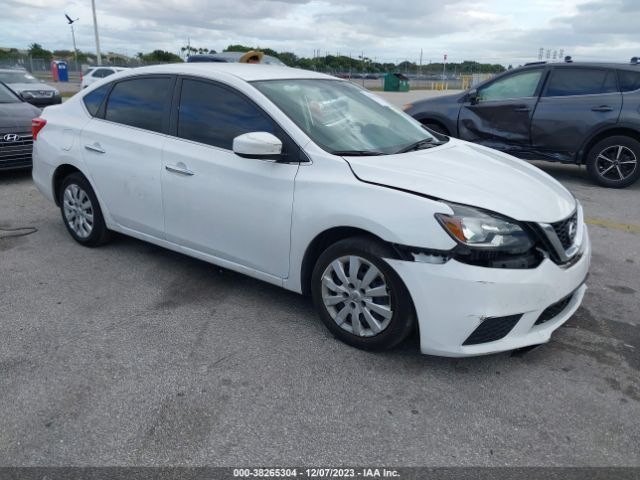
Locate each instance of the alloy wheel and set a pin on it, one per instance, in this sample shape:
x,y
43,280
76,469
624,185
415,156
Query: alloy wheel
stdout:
x,y
616,162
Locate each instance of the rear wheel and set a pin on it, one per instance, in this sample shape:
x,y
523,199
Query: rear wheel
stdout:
x,y
81,212
359,297
613,161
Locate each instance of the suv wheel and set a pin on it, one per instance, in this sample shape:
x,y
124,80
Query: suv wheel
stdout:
x,y
81,212
359,297
614,161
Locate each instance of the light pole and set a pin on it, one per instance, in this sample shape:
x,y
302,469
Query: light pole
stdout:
x,y
73,37
95,30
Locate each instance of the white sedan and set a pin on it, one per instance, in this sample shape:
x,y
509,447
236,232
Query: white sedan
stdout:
x,y
95,74
319,186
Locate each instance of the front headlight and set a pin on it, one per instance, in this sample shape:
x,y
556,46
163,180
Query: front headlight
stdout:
x,y
477,229
26,94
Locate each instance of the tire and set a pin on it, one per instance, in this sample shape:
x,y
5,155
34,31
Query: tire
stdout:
x,y
88,227
614,162
370,322
436,127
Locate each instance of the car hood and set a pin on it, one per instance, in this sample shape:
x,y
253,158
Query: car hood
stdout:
x,y
18,116
21,87
470,174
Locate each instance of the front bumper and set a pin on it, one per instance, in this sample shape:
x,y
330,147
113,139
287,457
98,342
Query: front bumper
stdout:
x,y
45,101
453,299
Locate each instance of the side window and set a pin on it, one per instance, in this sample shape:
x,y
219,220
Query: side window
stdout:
x,y
517,85
102,72
580,81
142,103
215,115
629,81
94,99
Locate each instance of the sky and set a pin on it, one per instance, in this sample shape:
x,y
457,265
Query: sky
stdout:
x,y
491,31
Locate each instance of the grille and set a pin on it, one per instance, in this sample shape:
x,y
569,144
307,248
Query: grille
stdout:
x,y
554,310
16,154
40,93
492,329
562,230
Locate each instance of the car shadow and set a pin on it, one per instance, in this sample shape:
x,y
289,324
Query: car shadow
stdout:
x,y
570,174
12,176
191,280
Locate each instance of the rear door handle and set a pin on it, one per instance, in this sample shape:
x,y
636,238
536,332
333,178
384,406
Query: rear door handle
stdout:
x,y
180,168
602,108
95,148
522,109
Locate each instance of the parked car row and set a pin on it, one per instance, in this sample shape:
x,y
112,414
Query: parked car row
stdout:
x,y
15,129
583,113
319,186
30,88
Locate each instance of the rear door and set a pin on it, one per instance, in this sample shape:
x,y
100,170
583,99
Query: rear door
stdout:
x,y
576,102
122,147
501,115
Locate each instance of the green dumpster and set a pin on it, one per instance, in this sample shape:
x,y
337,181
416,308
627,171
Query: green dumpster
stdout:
x,y
396,82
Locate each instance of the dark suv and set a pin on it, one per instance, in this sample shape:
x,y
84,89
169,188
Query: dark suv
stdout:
x,y
584,113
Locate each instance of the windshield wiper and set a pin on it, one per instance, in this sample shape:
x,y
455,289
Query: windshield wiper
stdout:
x,y
357,153
424,143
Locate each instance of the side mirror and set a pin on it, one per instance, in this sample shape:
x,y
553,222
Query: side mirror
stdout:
x,y
260,145
472,96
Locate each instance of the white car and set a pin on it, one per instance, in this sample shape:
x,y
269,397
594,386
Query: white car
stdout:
x,y
319,186
95,74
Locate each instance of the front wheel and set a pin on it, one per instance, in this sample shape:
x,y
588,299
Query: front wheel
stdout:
x,y
613,162
359,297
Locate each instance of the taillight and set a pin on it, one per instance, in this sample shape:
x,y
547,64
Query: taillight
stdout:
x,y
37,124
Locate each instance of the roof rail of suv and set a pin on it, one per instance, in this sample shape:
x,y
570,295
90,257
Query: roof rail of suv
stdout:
x,y
535,63
634,61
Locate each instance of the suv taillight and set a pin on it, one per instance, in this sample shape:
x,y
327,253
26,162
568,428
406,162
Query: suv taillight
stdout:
x,y
37,124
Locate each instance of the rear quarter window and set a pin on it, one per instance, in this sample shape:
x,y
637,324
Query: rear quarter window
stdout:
x,y
629,81
93,100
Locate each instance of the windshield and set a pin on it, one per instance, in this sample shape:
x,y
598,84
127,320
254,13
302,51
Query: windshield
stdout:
x,y
345,119
7,96
17,77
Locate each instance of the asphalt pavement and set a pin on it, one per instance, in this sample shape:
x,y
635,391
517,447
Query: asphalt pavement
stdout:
x,y
130,354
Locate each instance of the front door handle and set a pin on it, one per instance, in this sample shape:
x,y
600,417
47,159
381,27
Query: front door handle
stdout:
x,y
522,109
95,148
602,108
180,168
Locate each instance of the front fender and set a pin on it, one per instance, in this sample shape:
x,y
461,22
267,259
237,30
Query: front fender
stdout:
x,y
328,195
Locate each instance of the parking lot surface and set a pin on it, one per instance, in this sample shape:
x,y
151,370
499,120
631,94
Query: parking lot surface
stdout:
x,y
129,354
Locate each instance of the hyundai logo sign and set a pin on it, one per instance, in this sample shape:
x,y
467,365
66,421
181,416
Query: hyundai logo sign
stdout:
x,y
11,137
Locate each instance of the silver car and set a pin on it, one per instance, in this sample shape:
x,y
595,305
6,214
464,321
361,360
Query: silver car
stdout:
x,y
30,88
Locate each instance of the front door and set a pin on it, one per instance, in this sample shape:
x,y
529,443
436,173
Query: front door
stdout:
x,y
216,202
500,116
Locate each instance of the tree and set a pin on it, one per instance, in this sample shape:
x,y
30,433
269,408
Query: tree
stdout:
x,y
36,51
160,56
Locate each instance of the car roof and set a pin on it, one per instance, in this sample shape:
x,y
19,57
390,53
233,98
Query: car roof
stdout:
x,y
619,66
244,71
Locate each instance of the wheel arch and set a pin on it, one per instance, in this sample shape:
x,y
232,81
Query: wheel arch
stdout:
x,y
609,132
60,173
430,120
324,240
